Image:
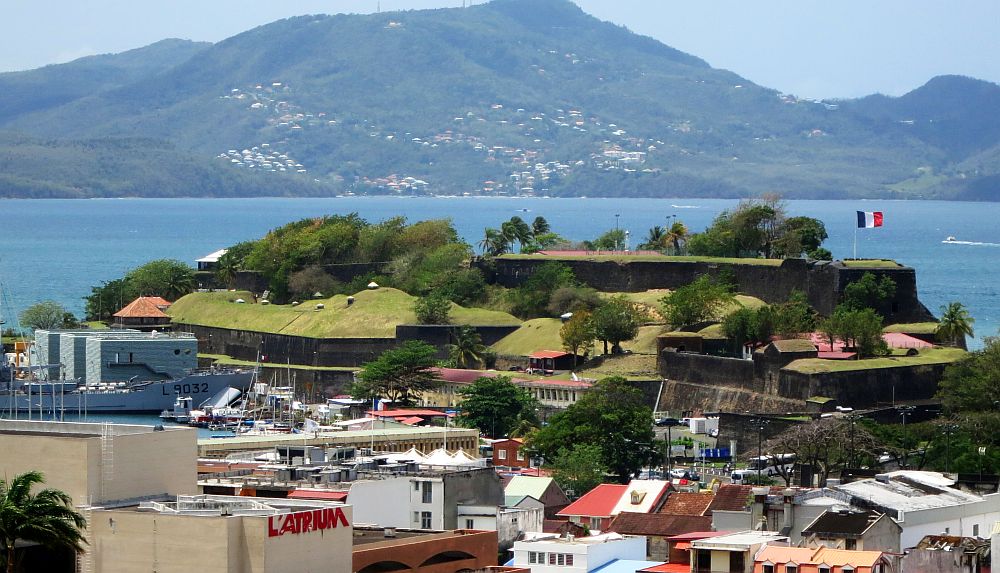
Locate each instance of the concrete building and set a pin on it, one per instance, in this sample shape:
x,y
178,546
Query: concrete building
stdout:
x,y
921,503
843,528
429,500
96,356
100,463
733,553
547,553
220,533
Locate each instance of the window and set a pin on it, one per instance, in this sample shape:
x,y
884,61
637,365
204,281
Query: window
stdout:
x,y
975,530
560,559
851,544
426,494
425,520
791,568
552,558
569,559
824,569
520,458
595,523
501,454
470,524
768,568
532,557
416,486
847,569
416,517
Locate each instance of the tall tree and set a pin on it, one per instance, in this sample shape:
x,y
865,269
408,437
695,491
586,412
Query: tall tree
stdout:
x,y
540,226
46,315
577,333
612,415
826,444
400,375
468,349
676,235
46,518
702,300
615,321
955,324
578,469
496,406
654,239
970,384
168,278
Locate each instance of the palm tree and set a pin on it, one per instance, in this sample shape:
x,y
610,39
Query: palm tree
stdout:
x,y
493,243
540,226
955,324
677,234
468,350
46,518
654,240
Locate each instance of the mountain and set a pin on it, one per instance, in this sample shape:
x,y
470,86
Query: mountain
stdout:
x,y
509,97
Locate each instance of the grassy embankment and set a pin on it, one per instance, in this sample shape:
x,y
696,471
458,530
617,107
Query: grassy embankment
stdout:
x,y
940,355
619,258
374,314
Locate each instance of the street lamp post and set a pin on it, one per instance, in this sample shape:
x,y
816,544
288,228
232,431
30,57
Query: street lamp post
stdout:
x,y
759,424
905,411
617,215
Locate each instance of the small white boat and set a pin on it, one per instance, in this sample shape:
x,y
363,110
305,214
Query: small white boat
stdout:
x,y
950,239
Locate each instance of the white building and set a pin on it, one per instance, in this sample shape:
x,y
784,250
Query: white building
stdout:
x,y
548,553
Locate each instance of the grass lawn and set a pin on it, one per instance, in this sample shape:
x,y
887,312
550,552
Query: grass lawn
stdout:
x,y
535,334
913,327
927,356
633,366
648,258
645,343
222,359
872,264
374,314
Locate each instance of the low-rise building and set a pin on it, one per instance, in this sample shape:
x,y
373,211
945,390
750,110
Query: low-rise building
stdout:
x,y
779,559
220,533
598,507
844,528
511,453
544,489
732,553
547,553
658,528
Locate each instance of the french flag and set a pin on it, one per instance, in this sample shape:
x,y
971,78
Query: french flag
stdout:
x,y
869,219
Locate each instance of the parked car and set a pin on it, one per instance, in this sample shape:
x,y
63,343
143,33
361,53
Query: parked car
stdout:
x,y
665,422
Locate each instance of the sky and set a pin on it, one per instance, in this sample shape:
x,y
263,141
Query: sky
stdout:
x,y
848,48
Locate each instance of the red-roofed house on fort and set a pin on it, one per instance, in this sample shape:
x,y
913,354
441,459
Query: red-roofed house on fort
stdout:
x,y
547,361
145,313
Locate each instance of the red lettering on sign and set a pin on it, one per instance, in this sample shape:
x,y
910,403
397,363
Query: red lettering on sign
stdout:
x,y
305,521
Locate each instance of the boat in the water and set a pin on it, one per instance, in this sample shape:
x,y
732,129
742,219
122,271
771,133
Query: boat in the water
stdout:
x,y
950,239
132,397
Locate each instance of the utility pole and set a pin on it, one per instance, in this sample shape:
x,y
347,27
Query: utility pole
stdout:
x,y
905,411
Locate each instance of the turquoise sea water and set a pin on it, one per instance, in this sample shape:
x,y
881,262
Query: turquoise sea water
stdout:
x,y
58,249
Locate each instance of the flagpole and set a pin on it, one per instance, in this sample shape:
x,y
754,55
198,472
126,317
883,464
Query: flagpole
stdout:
x,y
855,241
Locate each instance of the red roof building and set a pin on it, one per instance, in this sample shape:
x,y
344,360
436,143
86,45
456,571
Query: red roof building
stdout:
x,y
144,313
548,361
687,503
658,528
595,508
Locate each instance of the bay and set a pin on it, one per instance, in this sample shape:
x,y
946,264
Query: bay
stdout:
x,y
58,249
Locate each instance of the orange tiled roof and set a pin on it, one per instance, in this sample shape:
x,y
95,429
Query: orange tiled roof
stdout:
x,y
823,555
144,307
